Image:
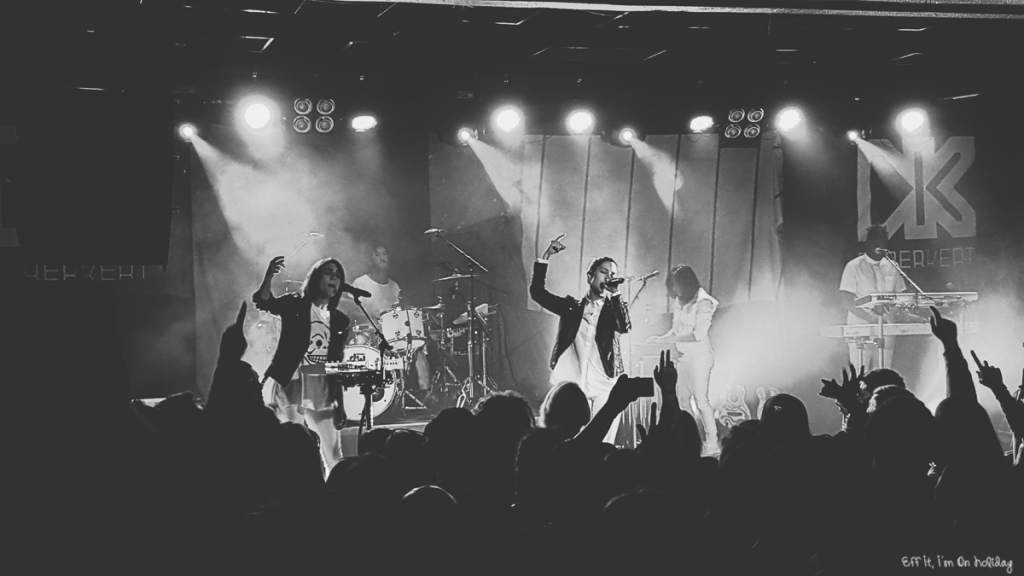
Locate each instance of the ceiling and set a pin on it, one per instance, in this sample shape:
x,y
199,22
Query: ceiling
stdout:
x,y
414,57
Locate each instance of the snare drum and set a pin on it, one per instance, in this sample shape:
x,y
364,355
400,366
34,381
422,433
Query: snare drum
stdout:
x,y
403,327
367,359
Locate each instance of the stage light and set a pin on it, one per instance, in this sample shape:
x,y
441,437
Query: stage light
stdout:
x,y
303,106
187,131
627,135
788,119
325,106
752,131
302,124
701,124
736,115
732,131
508,118
363,123
465,135
324,124
755,115
257,115
852,135
580,122
912,119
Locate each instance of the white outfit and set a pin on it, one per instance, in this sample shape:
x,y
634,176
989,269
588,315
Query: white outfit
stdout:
x,y
383,296
581,363
863,276
696,359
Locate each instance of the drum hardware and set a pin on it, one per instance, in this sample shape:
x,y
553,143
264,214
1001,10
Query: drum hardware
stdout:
x,y
367,389
410,351
473,265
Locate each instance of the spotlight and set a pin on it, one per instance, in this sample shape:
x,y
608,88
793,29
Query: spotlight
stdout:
x,y
788,119
303,106
257,115
363,123
752,131
324,124
755,115
852,135
732,131
187,131
627,135
325,106
701,124
465,135
301,124
580,122
736,115
508,118
912,119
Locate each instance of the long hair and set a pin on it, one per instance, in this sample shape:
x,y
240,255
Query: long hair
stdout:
x,y
687,280
313,280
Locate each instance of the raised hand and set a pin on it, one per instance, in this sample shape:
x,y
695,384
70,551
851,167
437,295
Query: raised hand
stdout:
x,y
665,374
554,247
848,390
232,342
623,392
652,422
275,266
943,328
990,377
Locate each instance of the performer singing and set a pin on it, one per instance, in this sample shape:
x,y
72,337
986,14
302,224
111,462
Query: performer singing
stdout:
x,y
586,349
313,332
387,294
692,312
866,274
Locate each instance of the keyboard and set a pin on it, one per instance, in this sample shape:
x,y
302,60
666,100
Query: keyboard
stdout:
x,y
913,300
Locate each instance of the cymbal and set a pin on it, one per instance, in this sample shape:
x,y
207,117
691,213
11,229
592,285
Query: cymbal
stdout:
x,y
455,277
436,307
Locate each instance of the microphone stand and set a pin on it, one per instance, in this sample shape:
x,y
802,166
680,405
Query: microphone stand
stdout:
x,y
638,291
471,313
366,388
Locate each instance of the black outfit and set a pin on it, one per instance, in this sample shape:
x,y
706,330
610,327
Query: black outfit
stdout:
x,y
614,319
294,311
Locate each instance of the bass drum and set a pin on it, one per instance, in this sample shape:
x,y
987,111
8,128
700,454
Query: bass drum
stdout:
x,y
365,358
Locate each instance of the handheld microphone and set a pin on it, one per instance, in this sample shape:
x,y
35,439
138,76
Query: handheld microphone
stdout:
x,y
434,231
615,281
357,292
649,276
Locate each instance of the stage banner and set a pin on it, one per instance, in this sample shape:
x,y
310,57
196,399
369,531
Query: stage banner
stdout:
x,y
913,187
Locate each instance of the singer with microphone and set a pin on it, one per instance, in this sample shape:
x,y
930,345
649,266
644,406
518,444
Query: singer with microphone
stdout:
x,y
313,332
586,349
870,273
692,311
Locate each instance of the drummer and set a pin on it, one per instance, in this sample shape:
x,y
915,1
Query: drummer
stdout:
x,y
387,295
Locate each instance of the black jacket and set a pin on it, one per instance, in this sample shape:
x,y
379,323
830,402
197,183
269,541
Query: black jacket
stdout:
x,y
614,319
294,312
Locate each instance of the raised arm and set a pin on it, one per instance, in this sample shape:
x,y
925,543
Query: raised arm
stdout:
x,y
991,377
264,298
959,383
538,291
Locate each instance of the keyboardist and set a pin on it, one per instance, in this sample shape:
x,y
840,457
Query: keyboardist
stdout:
x,y
870,273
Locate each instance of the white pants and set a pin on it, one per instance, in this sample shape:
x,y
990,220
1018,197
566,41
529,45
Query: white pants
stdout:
x,y
694,376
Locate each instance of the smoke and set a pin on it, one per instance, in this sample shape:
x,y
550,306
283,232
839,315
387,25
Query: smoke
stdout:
x,y
667,179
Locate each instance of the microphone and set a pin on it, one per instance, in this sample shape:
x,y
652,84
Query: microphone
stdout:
x,y
649,276
357,292
615,281
435,231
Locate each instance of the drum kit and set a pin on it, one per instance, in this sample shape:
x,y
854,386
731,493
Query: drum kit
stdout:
x,y
454,336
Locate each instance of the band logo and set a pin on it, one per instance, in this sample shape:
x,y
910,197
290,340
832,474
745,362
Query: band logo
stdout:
x,y
918,187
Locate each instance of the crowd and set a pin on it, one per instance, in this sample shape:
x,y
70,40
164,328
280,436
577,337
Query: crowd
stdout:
x,y
225,487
